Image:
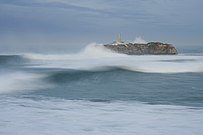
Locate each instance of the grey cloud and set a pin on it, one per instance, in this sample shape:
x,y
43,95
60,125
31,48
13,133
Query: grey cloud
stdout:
x,y
172,20
116,10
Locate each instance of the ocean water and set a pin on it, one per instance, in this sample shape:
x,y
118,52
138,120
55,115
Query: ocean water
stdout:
x,y
98,92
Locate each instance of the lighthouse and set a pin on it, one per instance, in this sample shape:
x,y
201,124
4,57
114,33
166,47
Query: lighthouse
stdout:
x,y
118,41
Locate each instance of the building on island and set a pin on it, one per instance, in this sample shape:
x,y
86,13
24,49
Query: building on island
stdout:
x,y
118,41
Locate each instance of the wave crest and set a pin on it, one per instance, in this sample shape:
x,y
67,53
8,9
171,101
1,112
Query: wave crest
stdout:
x,y
96,57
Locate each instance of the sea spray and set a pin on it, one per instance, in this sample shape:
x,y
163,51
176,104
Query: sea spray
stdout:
x,y
95,57
139,40
19,81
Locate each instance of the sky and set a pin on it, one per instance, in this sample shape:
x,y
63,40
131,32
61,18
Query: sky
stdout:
x,y
60,26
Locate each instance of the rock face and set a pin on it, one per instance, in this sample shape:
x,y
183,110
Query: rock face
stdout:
x,y
151,48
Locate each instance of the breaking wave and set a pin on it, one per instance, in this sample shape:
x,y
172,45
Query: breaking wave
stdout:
x,y
96,91
97,74
96,57
15,81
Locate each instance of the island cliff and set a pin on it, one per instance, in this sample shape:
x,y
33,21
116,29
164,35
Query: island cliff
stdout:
x,y
151,48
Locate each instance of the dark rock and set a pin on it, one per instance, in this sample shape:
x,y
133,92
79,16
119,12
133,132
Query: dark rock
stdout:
x,y
151,48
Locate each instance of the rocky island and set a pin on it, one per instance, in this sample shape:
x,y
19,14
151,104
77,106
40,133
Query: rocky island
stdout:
x,y
151,48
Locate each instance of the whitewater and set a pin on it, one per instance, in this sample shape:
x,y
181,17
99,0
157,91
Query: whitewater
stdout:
x,y
96,91
94,56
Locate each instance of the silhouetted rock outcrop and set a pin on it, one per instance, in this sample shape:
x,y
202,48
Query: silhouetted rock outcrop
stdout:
x,y
151,48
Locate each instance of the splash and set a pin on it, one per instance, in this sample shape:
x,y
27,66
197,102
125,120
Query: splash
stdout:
x,y
139,40
12,82
96,57
91,51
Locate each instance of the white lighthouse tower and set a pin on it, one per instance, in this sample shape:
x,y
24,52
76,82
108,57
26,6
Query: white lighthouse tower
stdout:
x,y
118,41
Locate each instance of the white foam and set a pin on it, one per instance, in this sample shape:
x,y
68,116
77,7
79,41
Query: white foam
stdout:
x,y
139,40
25,116
166,64
97,57
91,51
12,82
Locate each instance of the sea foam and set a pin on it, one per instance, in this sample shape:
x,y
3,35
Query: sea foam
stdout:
x,y
53,117
15,81
96,57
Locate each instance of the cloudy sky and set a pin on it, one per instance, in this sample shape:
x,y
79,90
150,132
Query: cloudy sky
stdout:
x,y
66,25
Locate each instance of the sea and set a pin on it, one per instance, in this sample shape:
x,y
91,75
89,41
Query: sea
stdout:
x,y
98,92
